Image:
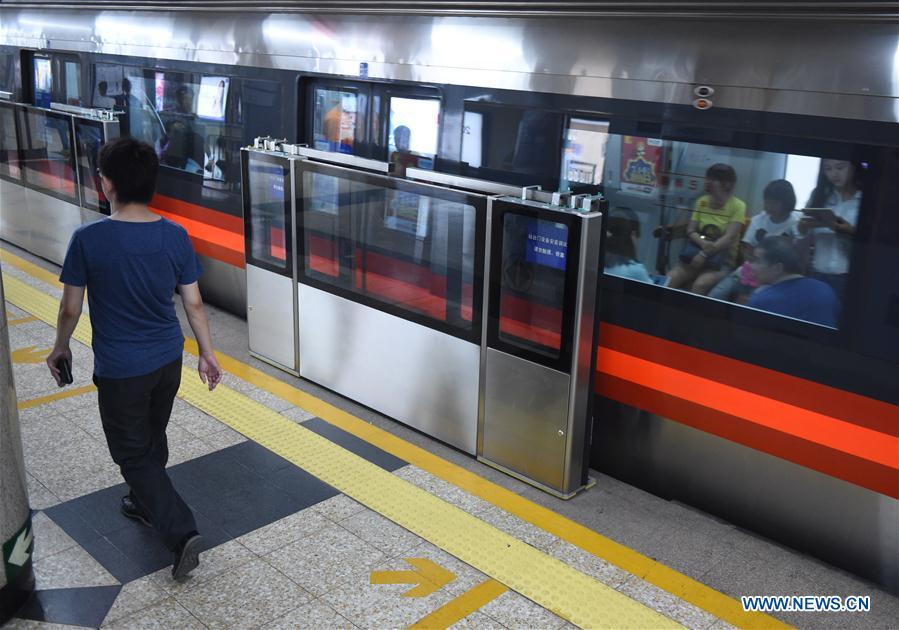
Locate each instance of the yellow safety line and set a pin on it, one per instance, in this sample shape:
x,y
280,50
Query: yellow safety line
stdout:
x,y
657,574
21,320
459,608
60,395
541,578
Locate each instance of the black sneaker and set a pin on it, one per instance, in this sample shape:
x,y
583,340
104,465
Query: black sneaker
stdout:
x,y
187,558
132,510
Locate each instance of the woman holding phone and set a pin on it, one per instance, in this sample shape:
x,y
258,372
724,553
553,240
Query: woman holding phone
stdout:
x,y
829,222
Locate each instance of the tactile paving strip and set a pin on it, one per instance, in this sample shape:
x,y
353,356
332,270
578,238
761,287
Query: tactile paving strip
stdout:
x,y
550,583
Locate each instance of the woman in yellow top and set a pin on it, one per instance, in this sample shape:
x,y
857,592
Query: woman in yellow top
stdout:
x,y
713,234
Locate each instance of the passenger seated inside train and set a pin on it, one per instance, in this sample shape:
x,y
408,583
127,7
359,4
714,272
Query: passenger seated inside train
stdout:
x,y
622,235
829,221
784,290
713,234
779,218
403,156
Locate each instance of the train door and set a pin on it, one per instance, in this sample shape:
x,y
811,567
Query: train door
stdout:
x,y
268,202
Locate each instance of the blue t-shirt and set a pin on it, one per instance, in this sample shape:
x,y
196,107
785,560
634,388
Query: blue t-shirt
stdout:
x,y
131,271
803,298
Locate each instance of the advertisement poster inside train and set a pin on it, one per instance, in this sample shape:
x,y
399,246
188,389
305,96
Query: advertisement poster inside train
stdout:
x,y
640,163
213,97
43,82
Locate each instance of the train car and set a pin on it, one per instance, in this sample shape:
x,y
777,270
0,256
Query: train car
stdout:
x,y
698,122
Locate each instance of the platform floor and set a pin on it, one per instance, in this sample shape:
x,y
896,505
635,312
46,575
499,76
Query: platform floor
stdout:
x,y
296,543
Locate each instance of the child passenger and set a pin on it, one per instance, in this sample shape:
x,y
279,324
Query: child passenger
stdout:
x,y
712,234
622,233
779,218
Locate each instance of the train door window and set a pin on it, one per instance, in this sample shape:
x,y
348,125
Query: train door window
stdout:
x,y
47,155
413,130
335,119
72,82
584,153
108,80
515,145
9,143
768,230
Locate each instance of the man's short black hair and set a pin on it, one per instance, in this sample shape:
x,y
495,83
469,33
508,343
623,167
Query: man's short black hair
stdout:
x,y
780,249
131,166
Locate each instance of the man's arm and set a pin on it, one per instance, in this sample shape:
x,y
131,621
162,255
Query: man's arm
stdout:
x,y
208,367
69,311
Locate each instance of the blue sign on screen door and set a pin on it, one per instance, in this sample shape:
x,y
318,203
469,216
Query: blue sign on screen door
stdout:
x,y
547,244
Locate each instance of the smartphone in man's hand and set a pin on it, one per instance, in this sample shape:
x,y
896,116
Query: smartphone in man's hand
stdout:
x,y
65,372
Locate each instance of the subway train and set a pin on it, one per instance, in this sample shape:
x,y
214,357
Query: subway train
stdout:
x,y
709,127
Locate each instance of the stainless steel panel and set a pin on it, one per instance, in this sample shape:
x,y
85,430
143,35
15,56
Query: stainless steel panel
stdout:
x,y
270,317
224,285
417,375
839,522
464,183
583,376
52,223
14,225
819,68
526,407
344,159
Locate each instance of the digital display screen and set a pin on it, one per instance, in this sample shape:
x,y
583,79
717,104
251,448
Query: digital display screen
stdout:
x,y
213,97
43,82
547,244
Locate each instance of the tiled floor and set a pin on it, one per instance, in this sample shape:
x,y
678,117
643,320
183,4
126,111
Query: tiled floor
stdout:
x,y
285,550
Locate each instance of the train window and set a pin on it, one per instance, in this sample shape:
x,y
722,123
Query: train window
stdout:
x,y
391,245
55,79
414,128
72,82
9,143
108,84
515,145
771,231
47,156
8,72
583,156
335,120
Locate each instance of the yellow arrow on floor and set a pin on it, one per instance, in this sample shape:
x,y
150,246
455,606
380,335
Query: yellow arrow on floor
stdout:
x,y
428,576
31,354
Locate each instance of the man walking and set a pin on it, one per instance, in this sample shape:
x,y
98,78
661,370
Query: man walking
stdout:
x,y
131,262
